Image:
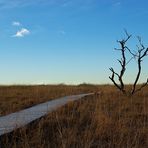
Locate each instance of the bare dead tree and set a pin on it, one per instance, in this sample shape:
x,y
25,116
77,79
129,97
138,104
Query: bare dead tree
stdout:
x,y
142,52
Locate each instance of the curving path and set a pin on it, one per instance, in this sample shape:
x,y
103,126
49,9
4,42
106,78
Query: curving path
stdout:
x,y
19,119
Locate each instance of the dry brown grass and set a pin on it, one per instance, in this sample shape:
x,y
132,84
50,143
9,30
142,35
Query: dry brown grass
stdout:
x,y
14,98
110,120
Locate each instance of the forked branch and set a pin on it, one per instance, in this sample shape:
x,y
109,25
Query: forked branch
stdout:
x,y
122,62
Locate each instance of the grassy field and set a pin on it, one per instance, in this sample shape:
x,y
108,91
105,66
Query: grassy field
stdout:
x,y
109,120
15,98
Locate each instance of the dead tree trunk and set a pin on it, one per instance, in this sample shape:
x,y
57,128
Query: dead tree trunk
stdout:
x,y
142,52
139,55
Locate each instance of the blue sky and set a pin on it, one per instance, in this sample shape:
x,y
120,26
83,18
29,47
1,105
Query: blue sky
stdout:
x,y
67,41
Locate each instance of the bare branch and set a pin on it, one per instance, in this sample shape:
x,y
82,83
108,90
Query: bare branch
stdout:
x,y
145,53
128,36
112,70
140,42
123,65
112,78
133,54
114,82
138,75
117,49
140,57
120,62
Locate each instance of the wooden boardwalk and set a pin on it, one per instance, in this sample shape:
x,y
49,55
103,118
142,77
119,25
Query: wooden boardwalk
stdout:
x,y
19,119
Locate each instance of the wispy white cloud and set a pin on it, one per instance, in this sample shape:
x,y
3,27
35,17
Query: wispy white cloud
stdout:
x,y
21,33
16,23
